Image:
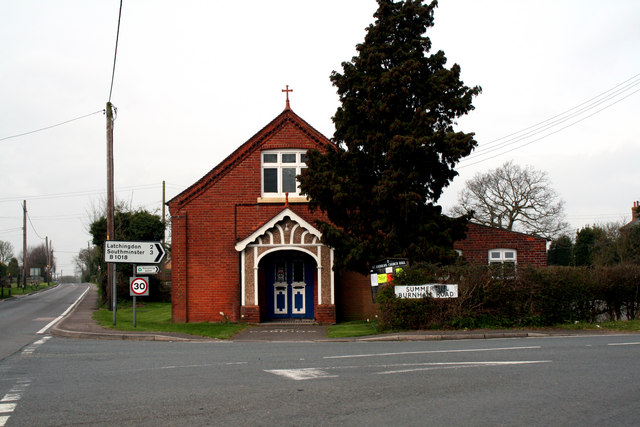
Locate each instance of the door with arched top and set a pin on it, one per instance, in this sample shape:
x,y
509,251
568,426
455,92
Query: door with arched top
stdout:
x,y
289,279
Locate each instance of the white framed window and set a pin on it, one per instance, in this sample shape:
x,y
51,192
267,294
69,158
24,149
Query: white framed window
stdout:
x,y
503,262
279,171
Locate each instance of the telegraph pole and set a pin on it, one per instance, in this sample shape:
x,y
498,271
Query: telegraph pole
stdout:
x,y
163,214
24,245
110,266
46,269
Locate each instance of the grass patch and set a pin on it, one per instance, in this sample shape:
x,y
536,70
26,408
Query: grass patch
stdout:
x,y
156,317
17,290
613,325
357,328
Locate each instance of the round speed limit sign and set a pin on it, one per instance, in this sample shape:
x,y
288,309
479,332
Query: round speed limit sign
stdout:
x,y
139,286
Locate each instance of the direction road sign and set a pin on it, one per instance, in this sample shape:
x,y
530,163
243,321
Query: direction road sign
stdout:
x,y
139,286
133,252
147,269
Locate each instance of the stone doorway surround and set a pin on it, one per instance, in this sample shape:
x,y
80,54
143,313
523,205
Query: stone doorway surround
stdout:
x,y
286,231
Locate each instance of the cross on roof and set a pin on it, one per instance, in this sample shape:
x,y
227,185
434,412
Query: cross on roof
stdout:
x,y
287,90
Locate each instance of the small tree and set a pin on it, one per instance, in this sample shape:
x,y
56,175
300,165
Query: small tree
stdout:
x,y
139,225
6,252
514,198
13,268
586,239
37,258
395,147
87,262
561,251
629,244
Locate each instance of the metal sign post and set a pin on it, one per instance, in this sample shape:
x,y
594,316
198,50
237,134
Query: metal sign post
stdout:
x,y
138,286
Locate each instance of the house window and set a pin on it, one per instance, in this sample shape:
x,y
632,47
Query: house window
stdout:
x,y
279,171
503,262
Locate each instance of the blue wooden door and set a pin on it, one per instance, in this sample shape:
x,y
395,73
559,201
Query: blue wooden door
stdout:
x,y
289,286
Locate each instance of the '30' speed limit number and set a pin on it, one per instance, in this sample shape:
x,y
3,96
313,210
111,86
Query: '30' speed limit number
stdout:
x,y
139,286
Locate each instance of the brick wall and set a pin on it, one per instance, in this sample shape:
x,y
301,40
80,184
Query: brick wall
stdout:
x,y
353,297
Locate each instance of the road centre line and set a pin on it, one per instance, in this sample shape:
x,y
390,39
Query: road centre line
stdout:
x,y
456,365
624,343
469,350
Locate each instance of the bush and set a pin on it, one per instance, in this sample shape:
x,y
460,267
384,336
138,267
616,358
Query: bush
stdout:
x,y
536,297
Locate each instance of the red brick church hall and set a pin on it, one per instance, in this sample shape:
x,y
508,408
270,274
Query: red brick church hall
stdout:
x,y
244,245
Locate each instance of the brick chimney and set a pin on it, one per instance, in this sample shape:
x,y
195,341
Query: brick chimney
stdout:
x,y
635,211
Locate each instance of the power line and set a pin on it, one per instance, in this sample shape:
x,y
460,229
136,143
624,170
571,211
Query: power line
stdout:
x,y
33,228
549,134
555,121
483,151
626,82
52,126
115,54
76,193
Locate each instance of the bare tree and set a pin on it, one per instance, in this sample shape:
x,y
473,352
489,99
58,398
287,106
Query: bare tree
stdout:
x,y
6,252
514,198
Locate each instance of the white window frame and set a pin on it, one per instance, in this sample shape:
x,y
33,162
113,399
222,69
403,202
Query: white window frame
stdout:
x,y
280,166
503,256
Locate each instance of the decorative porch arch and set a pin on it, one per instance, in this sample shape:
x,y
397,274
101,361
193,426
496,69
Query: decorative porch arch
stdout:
x,y
287,231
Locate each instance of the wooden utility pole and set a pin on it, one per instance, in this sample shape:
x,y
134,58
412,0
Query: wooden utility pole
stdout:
x,y
24,245
163,214
110,227
46,268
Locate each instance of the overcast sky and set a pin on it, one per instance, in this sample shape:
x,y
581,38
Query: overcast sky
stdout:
x,y
195,79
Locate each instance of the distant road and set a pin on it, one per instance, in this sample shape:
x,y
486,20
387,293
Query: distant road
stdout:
x,y
22,317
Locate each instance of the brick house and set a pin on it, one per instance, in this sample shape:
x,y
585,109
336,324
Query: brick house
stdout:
x,y
503,248
245,248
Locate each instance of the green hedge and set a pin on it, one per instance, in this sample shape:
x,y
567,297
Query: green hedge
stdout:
x,y
536,297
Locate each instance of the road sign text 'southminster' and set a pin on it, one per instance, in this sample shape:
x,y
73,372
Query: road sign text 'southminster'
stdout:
x,y
133,252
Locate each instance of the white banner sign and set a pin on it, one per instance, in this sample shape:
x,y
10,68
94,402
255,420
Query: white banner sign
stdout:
x,y
432,290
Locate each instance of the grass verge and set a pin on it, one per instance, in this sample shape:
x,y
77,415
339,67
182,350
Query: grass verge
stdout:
x,y
156,317
356,328
612,325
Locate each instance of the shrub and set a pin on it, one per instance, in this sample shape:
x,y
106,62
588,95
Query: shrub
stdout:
x,y
536,297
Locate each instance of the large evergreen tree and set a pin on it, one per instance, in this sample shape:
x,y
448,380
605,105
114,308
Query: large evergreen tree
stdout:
x,y
395,147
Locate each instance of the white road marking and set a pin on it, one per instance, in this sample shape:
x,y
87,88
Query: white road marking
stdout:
x,y
624,343
301,374
28,351
432,352
316,373
57,319
13,396
7,407
456,365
